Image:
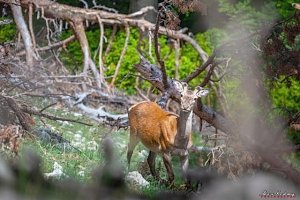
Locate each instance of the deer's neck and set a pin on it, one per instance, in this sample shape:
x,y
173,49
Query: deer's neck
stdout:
x,y
184,127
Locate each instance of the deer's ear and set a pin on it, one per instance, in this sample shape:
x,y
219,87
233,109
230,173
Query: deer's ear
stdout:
x,y
200,92
180,86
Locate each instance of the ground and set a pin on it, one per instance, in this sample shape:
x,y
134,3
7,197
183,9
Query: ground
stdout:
x,y
79,163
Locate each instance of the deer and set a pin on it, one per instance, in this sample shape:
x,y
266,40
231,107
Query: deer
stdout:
x,y
161,131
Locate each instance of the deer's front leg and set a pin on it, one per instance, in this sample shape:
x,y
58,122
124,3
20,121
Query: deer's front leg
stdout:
x,y
184,159
151,163
167,161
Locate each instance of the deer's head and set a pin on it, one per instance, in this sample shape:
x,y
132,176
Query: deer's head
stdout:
x,y
188,97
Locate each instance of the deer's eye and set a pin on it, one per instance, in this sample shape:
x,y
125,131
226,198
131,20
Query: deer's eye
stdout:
x,y
181,95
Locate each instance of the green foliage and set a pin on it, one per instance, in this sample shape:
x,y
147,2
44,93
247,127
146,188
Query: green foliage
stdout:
x,y
124,80
247,15
7,32
189,58
285,8
287,95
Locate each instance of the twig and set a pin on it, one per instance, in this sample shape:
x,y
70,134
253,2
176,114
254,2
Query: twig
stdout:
x,y
137,81
6,21
150,45
157,53
48,106
177,57
52,46
47,26
208,75
33,112
200,69
101,7
46,95
86,5
121,56
100,46
142,12
111,39
24,119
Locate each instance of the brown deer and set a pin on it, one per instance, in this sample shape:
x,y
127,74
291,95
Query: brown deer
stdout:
x,y
157,128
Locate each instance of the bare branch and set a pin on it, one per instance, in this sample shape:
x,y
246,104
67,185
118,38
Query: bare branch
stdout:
x,y
6,21
22,27
141,13
177,57
69,13
137,83
208,75
111,39
100,47
157,53
121,56
52,46
86,5
25,120
81,36
80,33
40,114
200,69
30,13
48,106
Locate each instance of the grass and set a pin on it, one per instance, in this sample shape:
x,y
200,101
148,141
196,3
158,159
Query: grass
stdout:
x,y
80,165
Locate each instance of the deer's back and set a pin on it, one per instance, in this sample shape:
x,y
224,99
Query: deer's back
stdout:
x,y
155,127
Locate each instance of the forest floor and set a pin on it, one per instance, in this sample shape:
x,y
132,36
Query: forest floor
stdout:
x,y
85,154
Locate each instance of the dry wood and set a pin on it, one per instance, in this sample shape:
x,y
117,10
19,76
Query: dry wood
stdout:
x,y
24,32
153,74
41,114
70,13
200,69
157,53
100,48
121,56
25,120
52,46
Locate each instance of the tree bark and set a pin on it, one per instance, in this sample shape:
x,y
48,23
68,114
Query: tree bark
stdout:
x,y
137,5
69,13
23,29
88,62
152,73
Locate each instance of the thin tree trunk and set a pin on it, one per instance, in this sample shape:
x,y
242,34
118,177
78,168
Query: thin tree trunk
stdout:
x,y
23,29
88,62
121,56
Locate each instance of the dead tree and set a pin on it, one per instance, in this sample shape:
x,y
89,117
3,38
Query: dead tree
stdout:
x,y
24,31
77,17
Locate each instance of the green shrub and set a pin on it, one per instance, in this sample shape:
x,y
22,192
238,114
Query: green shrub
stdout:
x,y
7,32
189,58
286,95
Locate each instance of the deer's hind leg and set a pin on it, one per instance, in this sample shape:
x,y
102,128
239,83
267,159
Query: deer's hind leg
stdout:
x,y
151,162
168,164
133,141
